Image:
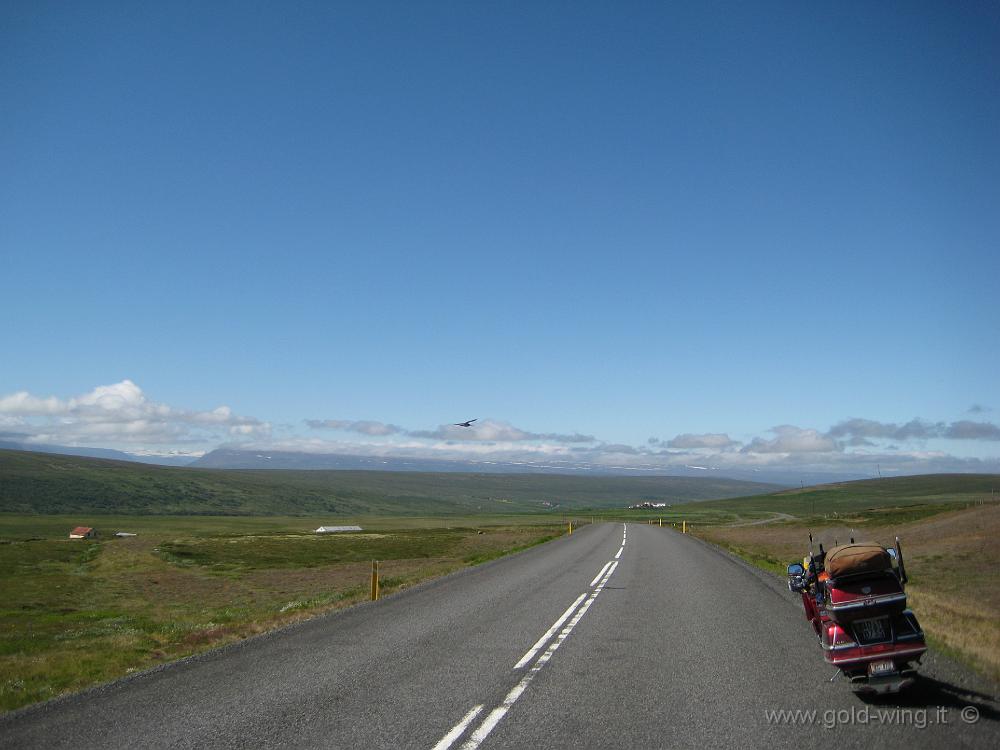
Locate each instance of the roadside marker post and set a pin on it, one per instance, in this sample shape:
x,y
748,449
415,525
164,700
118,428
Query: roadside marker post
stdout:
x,y
684,527
570,527
374,580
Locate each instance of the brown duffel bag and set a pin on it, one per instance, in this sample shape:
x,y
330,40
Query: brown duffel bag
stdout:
x,y
855,559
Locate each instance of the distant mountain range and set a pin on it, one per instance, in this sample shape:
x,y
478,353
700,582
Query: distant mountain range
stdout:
x,y
36,482
234,458
228,458
231,458
10,442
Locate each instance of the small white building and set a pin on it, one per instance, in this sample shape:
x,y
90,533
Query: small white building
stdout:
x,y
123,534
336,529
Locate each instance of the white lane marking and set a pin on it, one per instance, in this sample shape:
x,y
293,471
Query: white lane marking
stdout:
x,y
549,633
619,553
494,716
598,576
458,730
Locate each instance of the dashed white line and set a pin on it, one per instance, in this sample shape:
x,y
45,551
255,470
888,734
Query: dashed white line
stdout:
x,y
458,729
494,717
549,633
598,576
619,553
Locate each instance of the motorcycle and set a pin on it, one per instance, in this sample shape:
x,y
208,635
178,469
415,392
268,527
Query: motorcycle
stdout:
x,y
855,598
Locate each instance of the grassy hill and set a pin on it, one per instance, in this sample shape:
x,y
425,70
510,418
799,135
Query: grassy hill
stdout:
x,y
46,483
910,497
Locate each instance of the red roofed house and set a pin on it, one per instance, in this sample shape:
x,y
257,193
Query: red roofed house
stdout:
x,y
83,532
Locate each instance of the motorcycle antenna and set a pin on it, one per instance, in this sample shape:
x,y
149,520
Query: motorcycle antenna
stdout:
x,y
899,558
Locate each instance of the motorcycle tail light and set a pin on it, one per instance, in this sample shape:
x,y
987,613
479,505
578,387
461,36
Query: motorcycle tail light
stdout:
x,y
838,637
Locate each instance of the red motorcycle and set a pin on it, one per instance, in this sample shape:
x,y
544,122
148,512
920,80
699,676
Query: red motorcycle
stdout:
x,y
854,596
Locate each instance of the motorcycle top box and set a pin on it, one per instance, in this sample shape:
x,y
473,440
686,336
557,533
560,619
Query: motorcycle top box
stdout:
x,y
862,583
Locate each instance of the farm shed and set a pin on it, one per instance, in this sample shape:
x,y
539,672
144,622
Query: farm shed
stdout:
x,y
83,532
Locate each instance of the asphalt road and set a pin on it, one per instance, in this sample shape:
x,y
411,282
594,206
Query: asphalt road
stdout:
x,y
661,641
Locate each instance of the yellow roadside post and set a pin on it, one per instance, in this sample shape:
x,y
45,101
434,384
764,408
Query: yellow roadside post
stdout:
x,y
661,522
570,527
684,527
374,580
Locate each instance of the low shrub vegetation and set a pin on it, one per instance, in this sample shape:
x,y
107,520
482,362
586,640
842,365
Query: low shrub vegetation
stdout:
x,y
74,612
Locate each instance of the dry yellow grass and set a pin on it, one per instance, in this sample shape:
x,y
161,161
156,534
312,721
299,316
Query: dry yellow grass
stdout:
x,y
952,559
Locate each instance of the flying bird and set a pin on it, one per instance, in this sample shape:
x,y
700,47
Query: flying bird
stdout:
x,y
465,424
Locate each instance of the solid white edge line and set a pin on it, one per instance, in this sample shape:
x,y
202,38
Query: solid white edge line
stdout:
x,y
458,730
598,576
549,633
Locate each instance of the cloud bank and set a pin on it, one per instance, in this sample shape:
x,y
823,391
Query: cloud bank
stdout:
x,y
120,414
861,431
486,430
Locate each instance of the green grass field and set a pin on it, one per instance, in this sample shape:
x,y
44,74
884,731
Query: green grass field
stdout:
x,y
74,613
870,501
47,483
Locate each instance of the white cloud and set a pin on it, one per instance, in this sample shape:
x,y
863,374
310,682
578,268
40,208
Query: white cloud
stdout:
x,y
714,440
120,414
791,439
364,426
863,431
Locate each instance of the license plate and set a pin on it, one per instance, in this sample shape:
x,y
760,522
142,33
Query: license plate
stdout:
x,y
872,631
877,668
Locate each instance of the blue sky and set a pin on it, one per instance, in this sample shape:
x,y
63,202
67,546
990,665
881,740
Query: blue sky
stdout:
x,y
625,221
